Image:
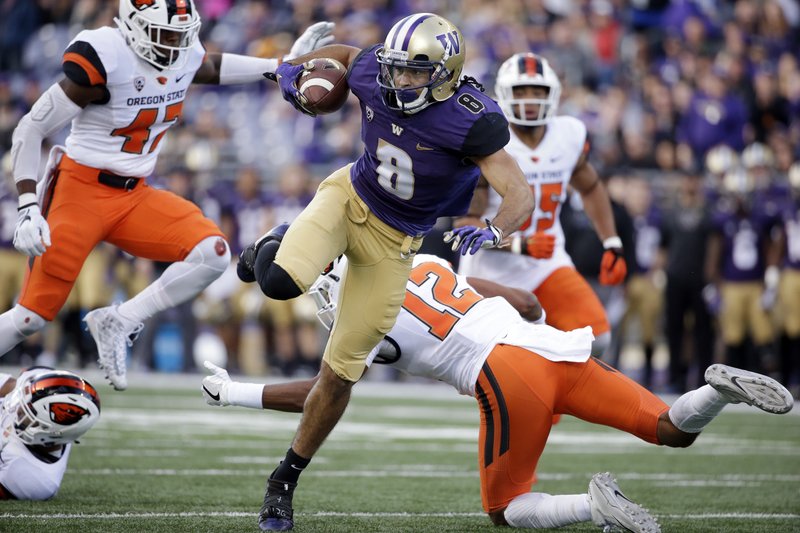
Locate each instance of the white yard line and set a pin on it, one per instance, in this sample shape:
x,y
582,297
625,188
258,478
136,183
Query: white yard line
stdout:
x,y
105,516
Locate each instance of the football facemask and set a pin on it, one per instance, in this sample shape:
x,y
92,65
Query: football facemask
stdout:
x,y
160,31
421,62
52,407
522,70
325,292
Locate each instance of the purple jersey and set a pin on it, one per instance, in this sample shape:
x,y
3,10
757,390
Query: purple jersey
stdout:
x,y
744,238
647,236
414,167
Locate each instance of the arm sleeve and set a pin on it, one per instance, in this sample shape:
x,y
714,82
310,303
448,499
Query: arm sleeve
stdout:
x,y
487,135
51,112
82,65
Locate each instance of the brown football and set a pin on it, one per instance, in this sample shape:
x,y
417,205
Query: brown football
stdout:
x,y
324,85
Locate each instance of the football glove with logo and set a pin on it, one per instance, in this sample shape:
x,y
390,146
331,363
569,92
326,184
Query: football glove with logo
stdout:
x,y
472,238
286,75
215,386
612,266
32,234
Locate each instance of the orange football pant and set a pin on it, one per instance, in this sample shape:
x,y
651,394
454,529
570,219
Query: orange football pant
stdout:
x,y
571,303
518,392
145,222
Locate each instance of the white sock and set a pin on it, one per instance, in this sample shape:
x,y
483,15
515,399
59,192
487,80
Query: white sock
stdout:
x,y
245,394
694,410
538,510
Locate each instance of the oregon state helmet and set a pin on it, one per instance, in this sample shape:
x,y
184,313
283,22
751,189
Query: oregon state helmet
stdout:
x,y
160,31
51,407
421,42
325,291
522,70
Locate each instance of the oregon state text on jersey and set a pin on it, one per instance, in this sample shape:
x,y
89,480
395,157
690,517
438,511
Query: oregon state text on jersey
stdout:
x,y
123,133
548,169
446,330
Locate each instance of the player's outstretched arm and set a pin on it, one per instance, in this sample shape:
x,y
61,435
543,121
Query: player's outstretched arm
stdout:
x,y
505,177
228,69
220,390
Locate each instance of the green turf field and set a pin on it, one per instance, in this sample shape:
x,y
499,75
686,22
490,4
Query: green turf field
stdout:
x,y
403,459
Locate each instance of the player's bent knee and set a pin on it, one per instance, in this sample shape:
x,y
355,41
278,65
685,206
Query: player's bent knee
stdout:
x,y
274,281
214,253
26,321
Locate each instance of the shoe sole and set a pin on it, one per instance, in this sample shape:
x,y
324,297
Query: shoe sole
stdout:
x,y
91,324
636,518
276,524
751,388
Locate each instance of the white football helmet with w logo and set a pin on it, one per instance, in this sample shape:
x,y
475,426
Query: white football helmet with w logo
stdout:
x,y
51,407
521,70
160,31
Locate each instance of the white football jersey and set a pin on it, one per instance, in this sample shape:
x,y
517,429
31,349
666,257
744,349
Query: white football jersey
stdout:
x,y
124,135
23,474
548,169
446,330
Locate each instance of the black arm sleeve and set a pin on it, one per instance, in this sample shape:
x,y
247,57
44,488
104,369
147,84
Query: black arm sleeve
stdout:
x,y
487,135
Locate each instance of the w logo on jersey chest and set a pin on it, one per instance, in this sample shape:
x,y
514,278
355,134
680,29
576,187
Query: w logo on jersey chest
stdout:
x,y
397,130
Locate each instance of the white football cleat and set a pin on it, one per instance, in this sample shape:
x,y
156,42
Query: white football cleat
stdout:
x,y
612,511
737,385
215,386
113,334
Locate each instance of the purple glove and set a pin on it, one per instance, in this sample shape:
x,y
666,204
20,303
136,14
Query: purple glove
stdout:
x,y
472,238
286,75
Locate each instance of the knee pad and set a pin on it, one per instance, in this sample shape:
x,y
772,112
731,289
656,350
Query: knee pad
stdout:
x,y
26,321
213,253
276,283
600,344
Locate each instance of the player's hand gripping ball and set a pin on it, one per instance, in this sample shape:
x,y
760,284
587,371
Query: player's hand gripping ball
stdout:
x,y
323,84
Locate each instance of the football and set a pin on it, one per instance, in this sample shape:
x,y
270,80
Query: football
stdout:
x,y
324,85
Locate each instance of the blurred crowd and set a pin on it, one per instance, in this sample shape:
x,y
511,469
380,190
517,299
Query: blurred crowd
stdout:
x,y
693,110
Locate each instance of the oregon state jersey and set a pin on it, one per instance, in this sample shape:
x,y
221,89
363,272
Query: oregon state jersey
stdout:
x,y
446,330
24,475
548,169
122,132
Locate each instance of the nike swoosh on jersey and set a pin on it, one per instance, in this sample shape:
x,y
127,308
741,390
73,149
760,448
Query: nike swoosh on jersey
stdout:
x,y
179,78
214,397
423,148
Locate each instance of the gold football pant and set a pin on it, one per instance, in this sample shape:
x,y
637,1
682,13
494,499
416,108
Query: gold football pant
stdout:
x,y
379,258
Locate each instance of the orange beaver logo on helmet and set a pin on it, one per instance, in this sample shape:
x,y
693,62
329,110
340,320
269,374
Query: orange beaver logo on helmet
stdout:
x,y
66,414
143,4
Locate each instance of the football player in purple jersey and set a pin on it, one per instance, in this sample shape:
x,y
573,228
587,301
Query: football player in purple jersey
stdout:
x,y
788,293
428,135
736,267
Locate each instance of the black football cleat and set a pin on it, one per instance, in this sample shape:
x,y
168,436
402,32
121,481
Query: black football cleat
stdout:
x,y
245,268
276,514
